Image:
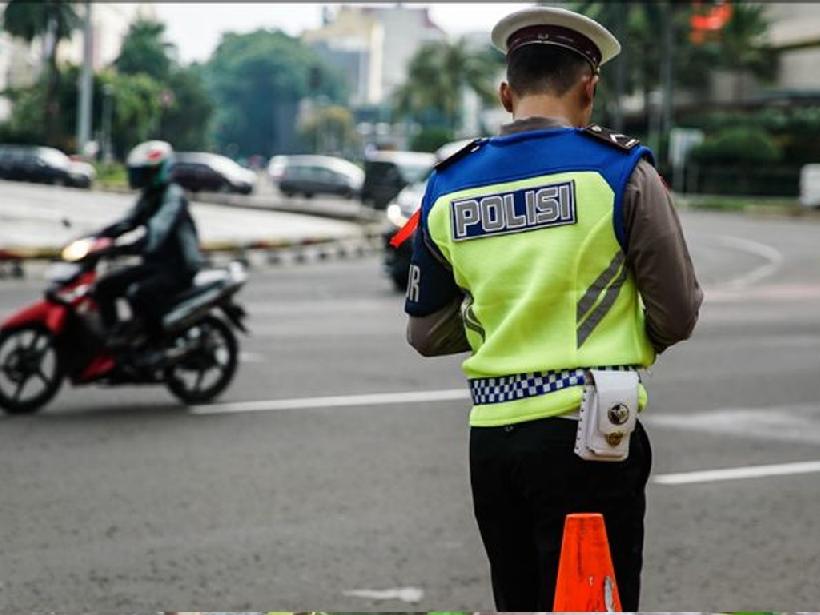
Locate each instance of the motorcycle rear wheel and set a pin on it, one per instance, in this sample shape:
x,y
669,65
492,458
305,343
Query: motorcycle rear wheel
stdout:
x,y
28,355
217,350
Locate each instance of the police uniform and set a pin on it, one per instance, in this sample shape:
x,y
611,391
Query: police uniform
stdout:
x,y
545,252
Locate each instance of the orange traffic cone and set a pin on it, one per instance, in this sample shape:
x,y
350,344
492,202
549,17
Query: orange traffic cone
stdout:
x,y
586,577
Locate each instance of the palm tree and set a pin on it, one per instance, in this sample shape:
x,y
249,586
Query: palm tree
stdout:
x,y
145,50
55,20
439,73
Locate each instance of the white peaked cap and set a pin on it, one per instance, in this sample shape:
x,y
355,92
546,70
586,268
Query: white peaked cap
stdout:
x,y
560,27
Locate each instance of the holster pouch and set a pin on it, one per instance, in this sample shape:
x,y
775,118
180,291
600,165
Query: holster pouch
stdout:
x,y
608,414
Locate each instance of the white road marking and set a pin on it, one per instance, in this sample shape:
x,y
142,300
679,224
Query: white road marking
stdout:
x,y
252,357
774,260
411,595
795,423
338,401
784,292
710,476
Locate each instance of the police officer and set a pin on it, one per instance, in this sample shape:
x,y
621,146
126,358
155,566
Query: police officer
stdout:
x,y
169,246
545,251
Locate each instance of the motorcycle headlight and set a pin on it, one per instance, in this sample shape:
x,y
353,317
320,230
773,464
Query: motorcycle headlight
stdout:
x,y
77,250
395,215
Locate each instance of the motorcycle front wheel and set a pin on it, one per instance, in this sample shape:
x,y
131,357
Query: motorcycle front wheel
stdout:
x,y
209,367
30,374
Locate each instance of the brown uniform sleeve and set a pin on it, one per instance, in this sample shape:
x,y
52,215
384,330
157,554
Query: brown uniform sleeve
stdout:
x,y
440,333
659,259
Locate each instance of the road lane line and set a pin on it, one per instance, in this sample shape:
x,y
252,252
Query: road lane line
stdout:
x,y
790,423
410,595
337,401
710,476
251,357
773,257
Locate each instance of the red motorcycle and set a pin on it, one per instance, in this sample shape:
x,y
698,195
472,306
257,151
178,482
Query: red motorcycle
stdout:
x,y
195,355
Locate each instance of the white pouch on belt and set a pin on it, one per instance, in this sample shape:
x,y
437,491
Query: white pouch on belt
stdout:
x,y
608,415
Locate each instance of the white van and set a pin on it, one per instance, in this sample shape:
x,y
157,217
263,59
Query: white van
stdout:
x,y
810,185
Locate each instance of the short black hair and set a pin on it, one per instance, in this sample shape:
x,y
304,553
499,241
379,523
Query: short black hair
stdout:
x,y
545,69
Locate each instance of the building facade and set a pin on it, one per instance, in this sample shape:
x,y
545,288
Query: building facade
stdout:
x,y
353,43
371,46
795,32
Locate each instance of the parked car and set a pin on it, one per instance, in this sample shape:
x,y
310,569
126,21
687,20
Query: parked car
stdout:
x,y
386,173
447,150
310,175
203,171
398,212
10,159
81,174
276,167
34,164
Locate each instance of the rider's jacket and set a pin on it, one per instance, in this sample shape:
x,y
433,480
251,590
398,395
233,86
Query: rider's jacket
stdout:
x,y
171,240
530,226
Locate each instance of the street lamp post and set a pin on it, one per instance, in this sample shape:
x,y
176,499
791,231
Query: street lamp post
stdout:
x,y
86,77
108,109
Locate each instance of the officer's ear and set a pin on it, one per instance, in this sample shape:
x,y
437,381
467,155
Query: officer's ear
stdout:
x,y
506,96
591,86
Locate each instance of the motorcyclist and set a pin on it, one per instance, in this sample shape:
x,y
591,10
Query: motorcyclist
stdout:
x,y
169,246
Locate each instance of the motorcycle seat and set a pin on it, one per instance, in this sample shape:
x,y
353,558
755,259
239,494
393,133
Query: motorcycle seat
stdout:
x,y
203,282
209,287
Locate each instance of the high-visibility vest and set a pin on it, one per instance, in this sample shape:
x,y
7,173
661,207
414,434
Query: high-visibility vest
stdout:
x,y
532,226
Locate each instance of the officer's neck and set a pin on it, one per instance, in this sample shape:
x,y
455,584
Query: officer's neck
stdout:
x,y
560,109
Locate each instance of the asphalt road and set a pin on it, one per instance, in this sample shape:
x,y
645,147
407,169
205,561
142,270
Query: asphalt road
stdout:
x,y
120,500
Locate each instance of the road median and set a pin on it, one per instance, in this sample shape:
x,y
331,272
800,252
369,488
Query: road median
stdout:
x,y
787,207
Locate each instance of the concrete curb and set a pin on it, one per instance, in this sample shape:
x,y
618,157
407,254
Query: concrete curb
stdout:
x,y
347,211
13,260
766,207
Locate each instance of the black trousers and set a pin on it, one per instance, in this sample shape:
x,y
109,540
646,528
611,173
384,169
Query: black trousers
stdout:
x,y
147,287
526,479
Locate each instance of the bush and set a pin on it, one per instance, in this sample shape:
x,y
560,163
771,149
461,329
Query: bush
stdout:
x,y
430,139
111,175
738,146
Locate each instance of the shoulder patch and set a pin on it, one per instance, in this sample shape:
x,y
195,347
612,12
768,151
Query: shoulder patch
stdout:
x,y
472,146
616,139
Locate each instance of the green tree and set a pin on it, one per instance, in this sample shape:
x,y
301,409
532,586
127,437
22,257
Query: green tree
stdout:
x,y
56,20
437,76
257,80
145,50
136,105
332,131
137,109
186,108
187,113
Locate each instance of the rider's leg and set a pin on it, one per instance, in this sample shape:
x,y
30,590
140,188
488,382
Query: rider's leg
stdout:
x,y
112,286
150,297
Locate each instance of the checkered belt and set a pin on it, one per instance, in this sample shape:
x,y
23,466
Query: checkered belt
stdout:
x,y
520,386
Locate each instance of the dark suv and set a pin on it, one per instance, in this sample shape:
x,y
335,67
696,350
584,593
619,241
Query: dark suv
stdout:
x,y
386,173
206,172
